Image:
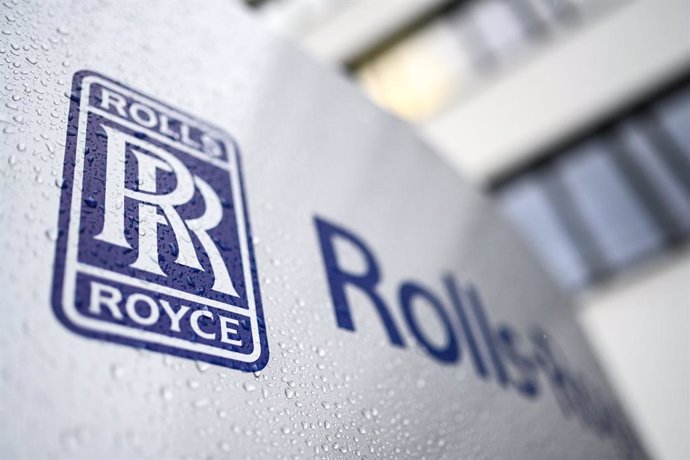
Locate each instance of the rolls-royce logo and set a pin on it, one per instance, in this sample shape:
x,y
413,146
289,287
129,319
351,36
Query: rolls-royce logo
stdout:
x,y
154,249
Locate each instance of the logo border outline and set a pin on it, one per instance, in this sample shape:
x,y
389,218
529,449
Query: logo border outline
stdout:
x,y
64,219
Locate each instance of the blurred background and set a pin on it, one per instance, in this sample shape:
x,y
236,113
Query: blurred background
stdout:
x,y
574,117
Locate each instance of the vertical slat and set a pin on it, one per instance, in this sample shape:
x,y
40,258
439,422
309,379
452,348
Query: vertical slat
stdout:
x,y
646,193
575,225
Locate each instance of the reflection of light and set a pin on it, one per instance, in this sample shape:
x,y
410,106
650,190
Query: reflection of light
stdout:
x,y
415,78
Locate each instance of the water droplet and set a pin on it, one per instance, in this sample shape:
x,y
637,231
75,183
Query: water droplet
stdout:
x,y
90,201
248,387
51,234
117,371
201,403
202,366
166,394
289,393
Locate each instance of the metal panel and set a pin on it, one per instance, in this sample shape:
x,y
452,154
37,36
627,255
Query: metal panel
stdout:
x,y
403,316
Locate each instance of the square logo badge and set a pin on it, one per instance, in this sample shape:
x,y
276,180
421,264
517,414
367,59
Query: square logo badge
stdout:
x,y
154,248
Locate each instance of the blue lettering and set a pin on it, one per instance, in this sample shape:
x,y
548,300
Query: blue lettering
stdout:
x,y
409,291
526,380
475,353
338,278
513,366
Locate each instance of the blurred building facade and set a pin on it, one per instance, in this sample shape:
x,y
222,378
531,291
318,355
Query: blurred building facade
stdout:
x,y
575,116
